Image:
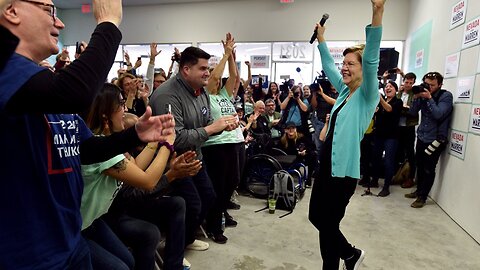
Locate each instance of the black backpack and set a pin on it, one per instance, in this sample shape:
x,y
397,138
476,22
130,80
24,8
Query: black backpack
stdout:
x,y
282,189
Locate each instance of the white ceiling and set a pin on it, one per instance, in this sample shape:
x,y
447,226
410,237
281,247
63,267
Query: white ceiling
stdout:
x,y
74,4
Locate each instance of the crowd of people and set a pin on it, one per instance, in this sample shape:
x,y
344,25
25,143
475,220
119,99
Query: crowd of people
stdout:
x,y
105,169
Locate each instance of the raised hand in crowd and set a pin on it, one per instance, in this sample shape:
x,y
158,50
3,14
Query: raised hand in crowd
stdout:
x,y
138,63
154,52
107,11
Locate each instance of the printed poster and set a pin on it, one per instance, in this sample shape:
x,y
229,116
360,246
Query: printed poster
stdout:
x,y
451,65
419,56
465,89
475,119
470,34
457,144
459,11
260,61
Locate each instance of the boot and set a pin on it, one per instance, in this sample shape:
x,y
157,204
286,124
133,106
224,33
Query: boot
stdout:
x,y
364,181
408,183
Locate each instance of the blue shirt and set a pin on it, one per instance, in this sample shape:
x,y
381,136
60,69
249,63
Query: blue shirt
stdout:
x,y
40,179
294,113
354,118
433,114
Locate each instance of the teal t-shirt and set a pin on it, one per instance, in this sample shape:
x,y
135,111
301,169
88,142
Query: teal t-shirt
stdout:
x,y
221,105
99,190
294,114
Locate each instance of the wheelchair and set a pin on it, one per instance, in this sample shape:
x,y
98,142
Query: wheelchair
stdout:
x,y
263,161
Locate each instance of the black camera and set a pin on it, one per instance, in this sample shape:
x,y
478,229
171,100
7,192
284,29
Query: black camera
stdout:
x,y
423,87
296,94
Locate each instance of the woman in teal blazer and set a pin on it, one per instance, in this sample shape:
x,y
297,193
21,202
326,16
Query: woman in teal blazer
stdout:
x,y
340,158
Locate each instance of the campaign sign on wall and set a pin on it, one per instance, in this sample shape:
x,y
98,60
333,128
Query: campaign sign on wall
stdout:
x,y
470,34
458,143
475,119
451,65
459,11
465,89
419,56
260,61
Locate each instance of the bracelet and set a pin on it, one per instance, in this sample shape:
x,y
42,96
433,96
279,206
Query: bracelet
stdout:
x,y
168,146
151,147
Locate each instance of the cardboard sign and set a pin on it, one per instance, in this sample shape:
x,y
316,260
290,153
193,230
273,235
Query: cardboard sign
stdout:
x,y
459,12
475,119
457,144
470,34
260,61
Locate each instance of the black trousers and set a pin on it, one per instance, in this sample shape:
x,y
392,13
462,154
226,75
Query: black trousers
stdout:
x,y
406,148
224,163
426,165
329,200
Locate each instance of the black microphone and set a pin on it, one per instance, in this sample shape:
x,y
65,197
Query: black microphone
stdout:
x,y
322,22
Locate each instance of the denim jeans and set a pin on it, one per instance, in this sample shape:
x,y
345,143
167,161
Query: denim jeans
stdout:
x,y
426,165
139,235
107,251
80,259
168,213
390,146
199,196
318,126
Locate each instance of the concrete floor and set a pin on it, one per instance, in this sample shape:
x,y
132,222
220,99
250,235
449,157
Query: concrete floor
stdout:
x,y
394,236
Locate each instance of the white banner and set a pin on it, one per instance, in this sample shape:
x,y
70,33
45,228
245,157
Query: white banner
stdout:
x,y
465,89
260,61
451,65
475,119
458,143
459,12
470,34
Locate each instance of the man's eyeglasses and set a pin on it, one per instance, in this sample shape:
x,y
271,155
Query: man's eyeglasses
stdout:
x,y
52,10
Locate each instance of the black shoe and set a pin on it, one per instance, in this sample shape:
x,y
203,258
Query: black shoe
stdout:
x,y
229,221
384,193
354,262
233,206
218,238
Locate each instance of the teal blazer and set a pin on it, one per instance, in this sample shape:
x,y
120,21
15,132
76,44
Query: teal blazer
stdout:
x,y
354,118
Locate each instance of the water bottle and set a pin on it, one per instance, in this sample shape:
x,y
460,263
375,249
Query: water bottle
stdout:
x,y
223,222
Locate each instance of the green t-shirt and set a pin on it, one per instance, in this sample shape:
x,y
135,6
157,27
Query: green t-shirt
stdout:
x,y
99,190
221,105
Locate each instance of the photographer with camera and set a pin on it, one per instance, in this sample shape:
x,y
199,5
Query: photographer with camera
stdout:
x,y
292,107
436,105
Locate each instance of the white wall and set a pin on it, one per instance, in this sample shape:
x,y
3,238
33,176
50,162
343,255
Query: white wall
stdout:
x,y
250,20
457,185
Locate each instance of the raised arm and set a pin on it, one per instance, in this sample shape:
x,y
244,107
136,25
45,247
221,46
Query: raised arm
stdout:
x,y
73,88
216,75
232,77
151,66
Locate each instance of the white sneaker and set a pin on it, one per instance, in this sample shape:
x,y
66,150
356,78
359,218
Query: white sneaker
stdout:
x,y
186,263
198,245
